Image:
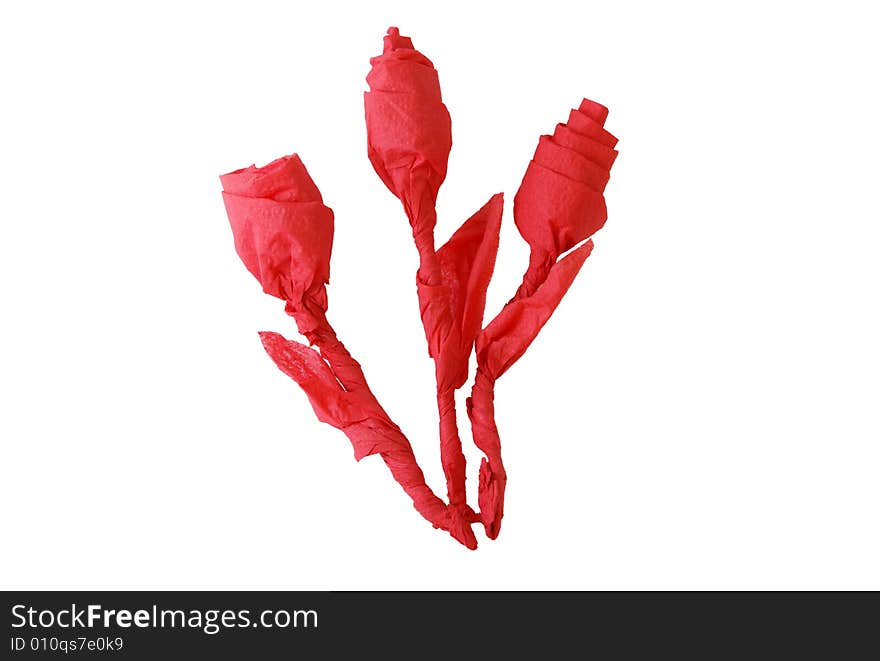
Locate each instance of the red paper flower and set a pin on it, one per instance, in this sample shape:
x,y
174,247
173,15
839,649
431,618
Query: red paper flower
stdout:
x,y
559,204
560,201
409,132
283,232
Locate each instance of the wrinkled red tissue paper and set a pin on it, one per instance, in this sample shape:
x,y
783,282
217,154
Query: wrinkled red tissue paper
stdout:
x,y
283,233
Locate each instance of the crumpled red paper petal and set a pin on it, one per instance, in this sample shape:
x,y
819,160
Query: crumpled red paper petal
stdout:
x,y
283,180
282,230
590,126
408,127
555,212
560,201
569,162
591,149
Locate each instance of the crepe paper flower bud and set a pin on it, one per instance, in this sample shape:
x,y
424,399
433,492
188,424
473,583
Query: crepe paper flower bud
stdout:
x,y
561,199
409,132
283,232
452,313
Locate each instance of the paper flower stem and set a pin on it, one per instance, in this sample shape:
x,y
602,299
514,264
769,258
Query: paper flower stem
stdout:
x,y
493,477
452,457
397,451
481,411
539,267
423,218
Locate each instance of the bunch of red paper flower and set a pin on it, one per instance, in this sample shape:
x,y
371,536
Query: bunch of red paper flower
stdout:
x,y
284,234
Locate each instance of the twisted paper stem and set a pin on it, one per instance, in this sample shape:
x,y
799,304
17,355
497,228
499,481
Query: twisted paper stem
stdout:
x,y
544,283
396,449
423,218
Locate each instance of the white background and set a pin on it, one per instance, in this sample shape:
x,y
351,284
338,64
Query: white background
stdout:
x,y
701,411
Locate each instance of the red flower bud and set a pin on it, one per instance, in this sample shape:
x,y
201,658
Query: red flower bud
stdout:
x,y
409,132
282,230
561,199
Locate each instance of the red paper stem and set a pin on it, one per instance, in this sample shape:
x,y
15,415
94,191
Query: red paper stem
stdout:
x,y
540,264
481,411
401,460
423,220
493,477
452,458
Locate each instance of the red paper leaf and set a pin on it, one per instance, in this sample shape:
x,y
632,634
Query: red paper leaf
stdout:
x,y
305,366
467,260
472,249
507,337
357,414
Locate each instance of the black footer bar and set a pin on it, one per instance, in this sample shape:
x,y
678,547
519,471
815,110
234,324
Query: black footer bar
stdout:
x,y
270,625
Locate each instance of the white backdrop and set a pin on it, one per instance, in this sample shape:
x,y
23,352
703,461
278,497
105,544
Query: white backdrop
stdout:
x,y
701,412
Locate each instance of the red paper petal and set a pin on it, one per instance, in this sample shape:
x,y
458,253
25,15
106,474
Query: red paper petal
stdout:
x,y
284,180
405,76
586,146
395,45
285,245
395,73
507,337
595,111
404,132
587,126
566,161
408,127
554,212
